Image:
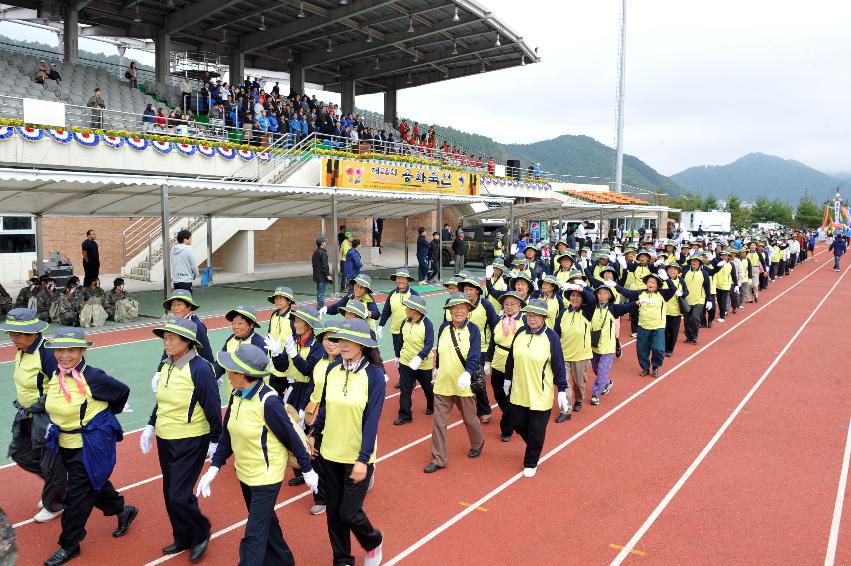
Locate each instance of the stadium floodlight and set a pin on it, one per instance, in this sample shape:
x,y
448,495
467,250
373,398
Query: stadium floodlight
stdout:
x,y
369,34
262,23
455,47
498,42
455,18
411,25
377,64
301,9
410,78
330,47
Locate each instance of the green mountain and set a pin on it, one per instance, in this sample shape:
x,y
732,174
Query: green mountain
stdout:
x,y
757,174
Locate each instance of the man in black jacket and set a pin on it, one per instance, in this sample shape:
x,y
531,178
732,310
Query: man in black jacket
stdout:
x,y
434,255
458,251
321,271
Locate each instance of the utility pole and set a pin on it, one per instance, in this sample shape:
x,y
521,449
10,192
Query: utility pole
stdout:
x,y
620,97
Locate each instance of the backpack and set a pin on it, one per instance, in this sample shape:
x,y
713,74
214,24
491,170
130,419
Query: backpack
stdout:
x,y
55,311
92,314
126,310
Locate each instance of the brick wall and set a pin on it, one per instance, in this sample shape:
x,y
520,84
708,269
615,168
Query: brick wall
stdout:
x,y
288,239
65,234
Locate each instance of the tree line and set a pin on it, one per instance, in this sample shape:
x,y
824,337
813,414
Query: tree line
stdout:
x,y
807,214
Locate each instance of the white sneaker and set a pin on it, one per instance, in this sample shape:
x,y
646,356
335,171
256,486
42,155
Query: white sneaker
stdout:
x,y
44,516
720,320
317,509
374,556
423,282
529,472
40,504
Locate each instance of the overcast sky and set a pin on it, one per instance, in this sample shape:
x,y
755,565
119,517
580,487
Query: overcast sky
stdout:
x,y
707,82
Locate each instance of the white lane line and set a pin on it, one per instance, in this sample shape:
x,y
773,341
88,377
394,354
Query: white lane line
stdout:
x,y
510,481
833,539
642,530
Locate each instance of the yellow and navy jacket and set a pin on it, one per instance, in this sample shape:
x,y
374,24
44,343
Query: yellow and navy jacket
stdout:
x,y
349,411
697,283
447,362
501,344
672,305
204,350
417,341
603,319
535,364
726,276
755,259
260,458
232,343
394,310
484,316
102,393
593,272
33,367
639,272
188,403
648,317
574,329
367,299
281,327
555,305
497,284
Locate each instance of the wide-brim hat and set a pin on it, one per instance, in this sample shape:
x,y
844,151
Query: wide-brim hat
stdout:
x,y
455,281
513,294
309,315
566,293
654,276
519,276
285,292
244,311
574,273
643,251
497,264
567,255
23,321
674,265
551,280
607,269
457,299
402,273
68,337
536,306
363,281
355,330
416,303
357,308
470,281
183,295
599,288
180,326
698,257
247,359
325,328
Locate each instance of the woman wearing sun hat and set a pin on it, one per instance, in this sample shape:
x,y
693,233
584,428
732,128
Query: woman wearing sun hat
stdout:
x,y
484,316
604,333
82,402
415,358
496,281
573,327
638,269
181,305
726,279
507,326
534,367
564,262
260,435
394,310
187,421
361,291
455,366
673,307
696,278
350,407
243,324
550,294
280,331
33,367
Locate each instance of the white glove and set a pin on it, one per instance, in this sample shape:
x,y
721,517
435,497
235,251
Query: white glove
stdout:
x,y
379,332
292,351
434,374
487,367
722,263
736,289
646,301
323,311
212,449
662,275
563,405
581,284
572,287
658,262
154,381
464,380
386,378
535,284
301,414
610,283
506,386
273,345
290,341
311,480
709,305
396,363
489,272
289,390
146,438
415,362
622,262
613,257
678,293
205,481
220,381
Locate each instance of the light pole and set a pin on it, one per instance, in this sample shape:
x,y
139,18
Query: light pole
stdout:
x,y
620,97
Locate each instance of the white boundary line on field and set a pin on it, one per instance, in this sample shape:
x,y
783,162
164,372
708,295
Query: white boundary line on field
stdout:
x,y
833,539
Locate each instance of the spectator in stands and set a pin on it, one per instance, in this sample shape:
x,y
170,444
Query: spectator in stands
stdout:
x,y
185,91
248,129
203,99
263,127
537,171
173,120
491,166
217,112
184,265
41,74
97,104
149,117
160,121
91,258
132,75
53,74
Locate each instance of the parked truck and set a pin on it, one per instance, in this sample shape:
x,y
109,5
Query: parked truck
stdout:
x,y
713,221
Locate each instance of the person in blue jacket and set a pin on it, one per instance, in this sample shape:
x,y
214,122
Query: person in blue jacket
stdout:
x,y
422,255
838,247
354,263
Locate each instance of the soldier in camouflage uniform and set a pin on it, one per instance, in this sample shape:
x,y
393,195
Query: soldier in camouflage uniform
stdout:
x,y
68,307
8,548
22,302
45,296
94,291
6,301
114,296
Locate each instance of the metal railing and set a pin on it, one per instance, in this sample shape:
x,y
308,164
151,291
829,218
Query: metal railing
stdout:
x,y
146,233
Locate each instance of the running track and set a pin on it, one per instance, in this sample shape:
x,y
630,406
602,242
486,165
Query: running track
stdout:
x,y
734,455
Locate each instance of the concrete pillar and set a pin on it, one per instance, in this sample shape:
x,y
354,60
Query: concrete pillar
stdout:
x,y
334,247
162,48
39,245
405,240
238,253
297,74
440,239
70,36
348,95
210,245
236,70
166,257
121,50
390,112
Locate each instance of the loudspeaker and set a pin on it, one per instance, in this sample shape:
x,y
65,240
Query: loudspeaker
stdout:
x,y
513,169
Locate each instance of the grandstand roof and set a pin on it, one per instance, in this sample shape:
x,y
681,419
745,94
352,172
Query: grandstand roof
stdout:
x,y
71,193
411,42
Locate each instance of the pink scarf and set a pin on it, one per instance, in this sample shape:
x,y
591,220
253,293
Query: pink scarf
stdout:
x,y
78,379
509,326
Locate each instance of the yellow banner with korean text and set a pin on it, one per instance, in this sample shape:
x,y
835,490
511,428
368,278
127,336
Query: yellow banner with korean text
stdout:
x,y
350,174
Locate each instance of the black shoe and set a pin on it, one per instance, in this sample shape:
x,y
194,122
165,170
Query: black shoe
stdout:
x,y
655,372
505,438
198,550
398,385
431,468
430,411
668,354
645,372
562,417
174,548
296,481
125,519
401,421
62,556
476,452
